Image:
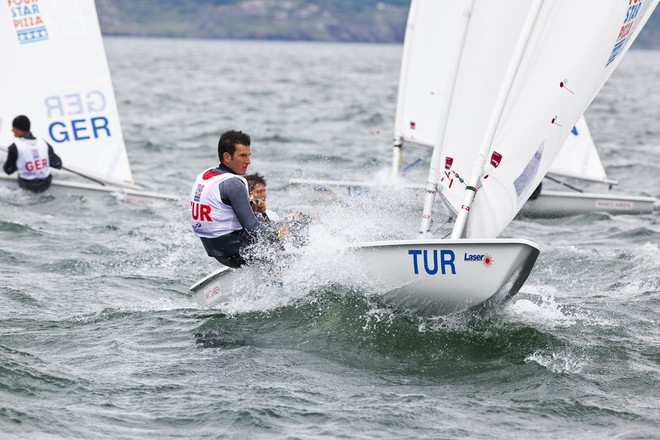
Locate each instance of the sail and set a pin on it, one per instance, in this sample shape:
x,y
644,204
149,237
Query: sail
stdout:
x,y
424,68
578,157
528,71
56,73
424,74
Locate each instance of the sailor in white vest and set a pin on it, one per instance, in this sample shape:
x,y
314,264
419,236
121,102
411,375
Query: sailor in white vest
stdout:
x,y
220,212
31,157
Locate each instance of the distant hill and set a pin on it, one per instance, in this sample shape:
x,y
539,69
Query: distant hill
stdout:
x,y
375,21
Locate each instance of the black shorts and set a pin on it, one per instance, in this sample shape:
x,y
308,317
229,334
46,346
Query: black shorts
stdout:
x,y
35,185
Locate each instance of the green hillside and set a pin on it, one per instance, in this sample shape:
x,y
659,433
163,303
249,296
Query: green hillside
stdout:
x,y
379,21
321,20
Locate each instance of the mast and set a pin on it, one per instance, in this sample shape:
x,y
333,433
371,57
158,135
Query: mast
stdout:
x,y
431,182
397,155
397,146
478,169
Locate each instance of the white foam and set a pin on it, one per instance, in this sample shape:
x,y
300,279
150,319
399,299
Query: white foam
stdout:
x,y
560,362
541,308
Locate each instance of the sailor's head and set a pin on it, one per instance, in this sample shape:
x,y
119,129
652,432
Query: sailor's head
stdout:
x,y
234,151
256,186
20,125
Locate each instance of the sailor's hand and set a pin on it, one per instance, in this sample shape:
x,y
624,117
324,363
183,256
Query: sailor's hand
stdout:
x,y
283,232
299,217
258,205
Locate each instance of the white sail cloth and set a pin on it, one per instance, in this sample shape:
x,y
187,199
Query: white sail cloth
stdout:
x,y
578,157
568,54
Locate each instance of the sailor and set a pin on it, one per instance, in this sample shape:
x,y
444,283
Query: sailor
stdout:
x,y
31,157
295,228
220,212
257,188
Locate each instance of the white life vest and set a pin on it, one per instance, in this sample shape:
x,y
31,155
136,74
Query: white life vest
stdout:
x,y
209,216
33,162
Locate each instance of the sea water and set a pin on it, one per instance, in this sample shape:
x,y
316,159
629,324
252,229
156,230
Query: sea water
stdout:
x,y
99,337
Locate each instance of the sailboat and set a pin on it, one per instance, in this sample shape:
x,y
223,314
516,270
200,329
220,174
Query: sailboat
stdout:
x,y
516,80
424,71
59,78
424,74
578,160
505,110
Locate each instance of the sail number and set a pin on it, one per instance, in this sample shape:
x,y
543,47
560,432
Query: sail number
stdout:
x,y
433,261
77,116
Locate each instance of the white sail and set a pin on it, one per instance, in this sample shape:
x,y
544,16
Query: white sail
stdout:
x,y
56,73
578,157
425,71
424,68
557,56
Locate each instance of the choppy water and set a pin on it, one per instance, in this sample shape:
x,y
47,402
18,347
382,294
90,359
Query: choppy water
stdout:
x,y
100,339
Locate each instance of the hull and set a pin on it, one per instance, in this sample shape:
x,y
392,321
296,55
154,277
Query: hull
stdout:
x,y
432,277
445,276
226,284
557,204
217,287
63,188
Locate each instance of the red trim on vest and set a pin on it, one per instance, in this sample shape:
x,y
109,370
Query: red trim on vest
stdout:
x,y
210,174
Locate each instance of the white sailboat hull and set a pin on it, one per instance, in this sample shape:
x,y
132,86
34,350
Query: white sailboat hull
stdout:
x,y
445,276
217,287
558,204
430,276
226,284
65,187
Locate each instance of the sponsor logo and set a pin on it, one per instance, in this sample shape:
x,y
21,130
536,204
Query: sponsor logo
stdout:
x,y
28,21
632,12
614,204
486,259
433,261
198,192
212,292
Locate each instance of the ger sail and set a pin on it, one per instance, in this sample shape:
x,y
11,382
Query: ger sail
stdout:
x,y
59,78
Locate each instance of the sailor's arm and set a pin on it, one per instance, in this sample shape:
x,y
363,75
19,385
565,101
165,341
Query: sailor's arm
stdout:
x,y
12,157
53,158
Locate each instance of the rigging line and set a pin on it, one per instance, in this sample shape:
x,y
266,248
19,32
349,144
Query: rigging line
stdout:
x,y
410,165
449,218
83,176
563,183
